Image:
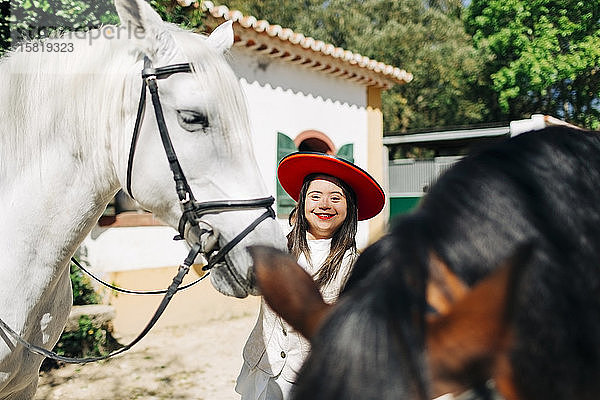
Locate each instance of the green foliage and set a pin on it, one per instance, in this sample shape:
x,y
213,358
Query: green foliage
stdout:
x,y
414,152
83,291
187,17
435,49
542,56
494,60
4,25
426,38
33,19
295,14
87,341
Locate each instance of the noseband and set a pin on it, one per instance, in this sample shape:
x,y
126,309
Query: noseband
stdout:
x,y
192,211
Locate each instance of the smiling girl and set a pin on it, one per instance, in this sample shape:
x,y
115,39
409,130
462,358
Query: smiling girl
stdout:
x,y
332,195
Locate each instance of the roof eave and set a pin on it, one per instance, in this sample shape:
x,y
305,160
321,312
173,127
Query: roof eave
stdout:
x,y
288,46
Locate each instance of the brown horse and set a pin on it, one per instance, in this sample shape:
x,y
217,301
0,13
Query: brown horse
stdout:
x,y
474,331
494,276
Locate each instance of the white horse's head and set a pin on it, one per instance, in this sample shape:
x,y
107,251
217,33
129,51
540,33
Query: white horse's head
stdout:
x,y
207,122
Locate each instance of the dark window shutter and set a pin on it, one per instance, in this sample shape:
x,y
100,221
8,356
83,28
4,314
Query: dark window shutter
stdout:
x,y
346,152
285,146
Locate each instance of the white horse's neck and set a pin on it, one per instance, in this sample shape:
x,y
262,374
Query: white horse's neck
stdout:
x,y
60,122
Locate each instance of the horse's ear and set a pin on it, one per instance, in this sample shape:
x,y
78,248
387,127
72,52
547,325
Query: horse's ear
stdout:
x,y
288,289
444,287
468,344
145,25
222,37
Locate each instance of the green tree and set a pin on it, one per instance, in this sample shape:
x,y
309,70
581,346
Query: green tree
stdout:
x,y
542,56
4,25
294,14
31,19
426,38
187,17
34,19
431,44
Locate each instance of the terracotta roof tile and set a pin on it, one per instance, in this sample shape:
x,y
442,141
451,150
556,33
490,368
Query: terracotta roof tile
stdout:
x,y
261,36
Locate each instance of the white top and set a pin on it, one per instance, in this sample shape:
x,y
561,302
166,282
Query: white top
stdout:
x,y
274,348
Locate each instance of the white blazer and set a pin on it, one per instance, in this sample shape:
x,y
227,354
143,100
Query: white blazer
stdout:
x,y
274,347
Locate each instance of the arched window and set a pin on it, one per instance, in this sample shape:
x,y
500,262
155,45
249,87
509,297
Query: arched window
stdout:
x,y
314,141
310,140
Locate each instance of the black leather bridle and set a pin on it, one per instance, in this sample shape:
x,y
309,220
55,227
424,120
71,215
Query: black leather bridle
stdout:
x,y
193,211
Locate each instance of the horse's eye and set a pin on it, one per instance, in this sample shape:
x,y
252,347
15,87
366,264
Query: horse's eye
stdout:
x,y
192,121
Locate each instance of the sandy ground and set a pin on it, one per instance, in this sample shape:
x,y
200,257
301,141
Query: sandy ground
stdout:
x,y
181,362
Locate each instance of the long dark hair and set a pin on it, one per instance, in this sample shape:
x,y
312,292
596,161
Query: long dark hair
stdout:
x,y
343,239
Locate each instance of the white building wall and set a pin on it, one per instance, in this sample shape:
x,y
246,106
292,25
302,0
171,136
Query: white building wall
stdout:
x,y
281,97
288,98
133,248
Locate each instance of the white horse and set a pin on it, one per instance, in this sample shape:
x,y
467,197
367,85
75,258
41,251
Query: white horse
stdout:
x,y
67,116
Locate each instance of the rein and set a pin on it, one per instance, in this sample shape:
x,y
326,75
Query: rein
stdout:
x,y
129,291
183,270
192,212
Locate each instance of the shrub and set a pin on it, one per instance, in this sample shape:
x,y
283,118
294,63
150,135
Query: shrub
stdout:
x,y
88,340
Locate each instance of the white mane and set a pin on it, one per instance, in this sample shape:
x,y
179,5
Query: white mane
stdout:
x,y
66,97
210,69
45,95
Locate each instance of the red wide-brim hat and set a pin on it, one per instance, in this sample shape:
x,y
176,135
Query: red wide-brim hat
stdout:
x,y
294,168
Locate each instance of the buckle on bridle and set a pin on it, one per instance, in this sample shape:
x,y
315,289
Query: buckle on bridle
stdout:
x,y
148,73
186,199
193,217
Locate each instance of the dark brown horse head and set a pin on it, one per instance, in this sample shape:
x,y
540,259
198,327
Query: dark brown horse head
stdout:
x,y
467,340
534,330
